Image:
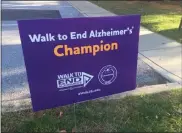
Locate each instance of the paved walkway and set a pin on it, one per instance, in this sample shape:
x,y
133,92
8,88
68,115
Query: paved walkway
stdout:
x,y
162,54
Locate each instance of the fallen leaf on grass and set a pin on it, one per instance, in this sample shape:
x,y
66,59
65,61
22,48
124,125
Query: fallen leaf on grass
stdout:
x,y
60,114
179,111
63,131
38,114
73,130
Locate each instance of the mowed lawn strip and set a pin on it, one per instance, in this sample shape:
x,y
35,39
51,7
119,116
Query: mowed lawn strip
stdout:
x,y
157,16
159,112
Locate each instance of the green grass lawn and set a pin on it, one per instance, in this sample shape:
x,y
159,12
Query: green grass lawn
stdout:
x,y
145,113
160,17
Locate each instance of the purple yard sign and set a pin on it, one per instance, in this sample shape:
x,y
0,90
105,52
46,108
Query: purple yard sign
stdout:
x,y
78,59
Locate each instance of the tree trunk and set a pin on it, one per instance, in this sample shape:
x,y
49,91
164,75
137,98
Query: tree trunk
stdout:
x,y
180,25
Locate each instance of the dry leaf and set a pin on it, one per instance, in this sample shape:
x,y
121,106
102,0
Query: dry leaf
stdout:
x,y
38,114
73,130
63,131
60,114
179,111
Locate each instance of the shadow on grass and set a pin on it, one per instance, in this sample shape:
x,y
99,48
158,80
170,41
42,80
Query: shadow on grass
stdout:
x,y
138,7
172,33
150,12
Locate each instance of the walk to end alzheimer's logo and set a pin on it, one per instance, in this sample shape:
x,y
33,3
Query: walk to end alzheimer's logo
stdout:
x,y
73,80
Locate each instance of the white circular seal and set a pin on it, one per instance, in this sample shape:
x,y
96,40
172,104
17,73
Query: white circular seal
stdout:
x,y
107,75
